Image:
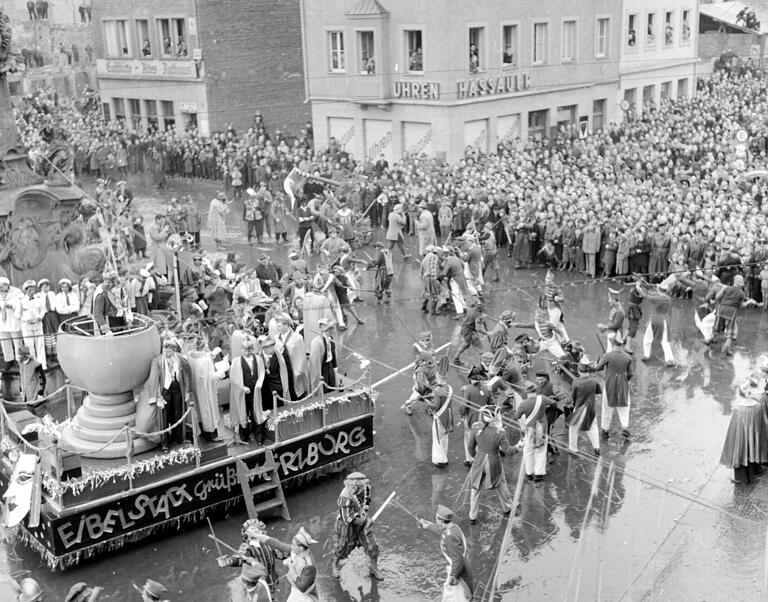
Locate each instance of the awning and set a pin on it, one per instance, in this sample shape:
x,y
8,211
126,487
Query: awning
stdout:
x,y
725,12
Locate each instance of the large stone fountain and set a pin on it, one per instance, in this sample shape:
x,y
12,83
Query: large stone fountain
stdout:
x,y
109,368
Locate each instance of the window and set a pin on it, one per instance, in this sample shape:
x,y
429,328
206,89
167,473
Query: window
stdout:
x,y
142,37
598,114
116,38
173,38
537,123
669,29
566,114
685,28
509,33
601,37
630,95
649,94
632,31
413,51
134,104
119,105
569,41
682,87
539,43
169,117
650,29
106,110
666,90
150,106
367,64
476,55
336,49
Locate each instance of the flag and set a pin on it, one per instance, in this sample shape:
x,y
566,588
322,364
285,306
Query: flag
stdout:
x,y
293,182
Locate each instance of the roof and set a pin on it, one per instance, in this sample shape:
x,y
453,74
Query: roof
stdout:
x,y
725,12
367,8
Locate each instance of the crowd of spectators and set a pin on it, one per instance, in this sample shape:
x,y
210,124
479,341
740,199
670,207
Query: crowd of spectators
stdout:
x,y
658,192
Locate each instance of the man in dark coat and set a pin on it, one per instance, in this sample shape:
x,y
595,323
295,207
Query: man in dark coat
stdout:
x,y
487,441
278,377
618,373
453,546
584,416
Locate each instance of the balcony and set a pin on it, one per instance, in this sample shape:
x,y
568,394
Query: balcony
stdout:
x,y
162,69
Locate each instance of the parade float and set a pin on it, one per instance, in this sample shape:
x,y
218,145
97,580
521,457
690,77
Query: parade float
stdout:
x,y
92,483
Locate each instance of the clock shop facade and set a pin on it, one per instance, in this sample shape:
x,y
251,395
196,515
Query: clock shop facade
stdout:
x,y
397,78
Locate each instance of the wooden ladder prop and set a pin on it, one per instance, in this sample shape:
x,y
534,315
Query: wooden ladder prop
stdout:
x,y
270,484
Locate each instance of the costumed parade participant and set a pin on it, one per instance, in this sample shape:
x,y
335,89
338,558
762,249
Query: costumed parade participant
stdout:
x,y
425,343
730,300
278,375
634,313
323,360
452,275
532,416
252,551
439,407
385,271
246,376
10,318
476,395
458,585
31,376
554,299
291,343
316,307
170,390
152,591
657,329
354,527
618,373
548,332
425,378
430,271
204,378
253,577
31,318
584,390
472,328
302,569
488,440
615,323
746,443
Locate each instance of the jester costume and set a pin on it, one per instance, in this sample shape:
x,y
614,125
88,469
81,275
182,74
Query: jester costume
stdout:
x,y
353,527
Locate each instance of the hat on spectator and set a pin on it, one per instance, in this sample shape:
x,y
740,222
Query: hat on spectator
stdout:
x,y
4,280
27,284
43,281
250,191
285,318
293,255
65,281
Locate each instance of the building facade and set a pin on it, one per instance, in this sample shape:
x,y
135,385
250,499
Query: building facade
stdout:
x,y
208,63
438,76
659,51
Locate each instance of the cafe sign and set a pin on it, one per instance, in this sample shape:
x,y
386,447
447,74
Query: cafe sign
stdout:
x,y
492,86
147,68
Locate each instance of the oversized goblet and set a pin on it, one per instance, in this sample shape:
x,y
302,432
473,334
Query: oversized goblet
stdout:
x,y
109,368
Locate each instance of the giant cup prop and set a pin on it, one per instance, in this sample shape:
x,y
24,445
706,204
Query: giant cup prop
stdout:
x,y
109,368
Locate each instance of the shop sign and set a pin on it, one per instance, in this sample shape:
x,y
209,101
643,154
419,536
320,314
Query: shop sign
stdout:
x,y
194,492
147,68
416,89
493,86
188,107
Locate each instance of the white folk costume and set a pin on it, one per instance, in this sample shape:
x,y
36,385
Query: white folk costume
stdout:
x,y
32,325
532,415
10,320
442,423
548,341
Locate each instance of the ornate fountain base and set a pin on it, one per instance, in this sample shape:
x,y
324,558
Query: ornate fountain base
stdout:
x,y
98,421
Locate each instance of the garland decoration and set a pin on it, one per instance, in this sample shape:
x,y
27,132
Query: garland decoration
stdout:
x,y
97,478
296,414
